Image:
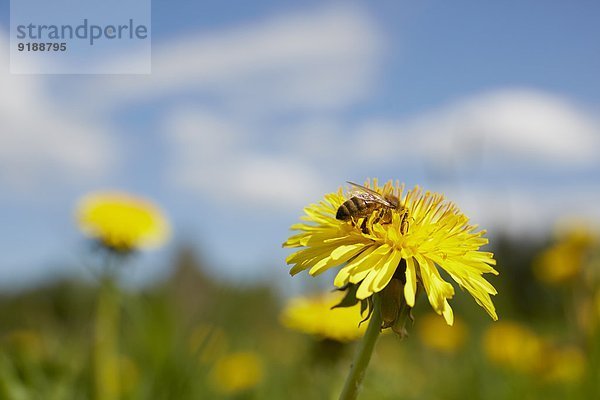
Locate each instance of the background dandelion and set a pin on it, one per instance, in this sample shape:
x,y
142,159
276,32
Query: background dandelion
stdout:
x,y
316,315
237,372
120,224
437,336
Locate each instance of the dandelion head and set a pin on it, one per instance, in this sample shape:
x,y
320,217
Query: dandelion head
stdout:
x,y
438,336
315,315
122,222
237,372
513,346
566,258
405,241
565,364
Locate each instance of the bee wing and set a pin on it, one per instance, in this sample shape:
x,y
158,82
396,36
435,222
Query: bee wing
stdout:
x,y
369,195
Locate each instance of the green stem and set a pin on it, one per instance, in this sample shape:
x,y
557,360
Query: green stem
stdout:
x,y
363,355
105,353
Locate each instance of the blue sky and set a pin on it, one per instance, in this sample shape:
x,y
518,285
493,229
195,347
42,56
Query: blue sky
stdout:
x,y
254,109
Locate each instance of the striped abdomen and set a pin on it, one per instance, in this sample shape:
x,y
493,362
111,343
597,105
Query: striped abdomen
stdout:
x,y
355,207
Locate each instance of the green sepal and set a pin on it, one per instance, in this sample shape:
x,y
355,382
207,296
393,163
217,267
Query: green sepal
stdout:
x,y
395,312
404,315
349,299
366,305
389,303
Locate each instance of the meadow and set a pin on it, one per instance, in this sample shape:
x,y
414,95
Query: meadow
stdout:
x,y
194,336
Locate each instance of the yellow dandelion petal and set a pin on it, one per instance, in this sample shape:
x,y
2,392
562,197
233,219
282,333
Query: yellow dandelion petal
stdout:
x,y
343,276
447,313
121,221
385,273
366,287
368,265
338,256
425,235
436,288
410,288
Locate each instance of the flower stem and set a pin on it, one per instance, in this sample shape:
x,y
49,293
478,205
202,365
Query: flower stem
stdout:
x,y
363,355
105,342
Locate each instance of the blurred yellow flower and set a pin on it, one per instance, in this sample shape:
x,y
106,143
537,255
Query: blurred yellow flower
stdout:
x,y
237,372
122,222
425,234
514,346
437,335
559,263
564,260
314,315
564,365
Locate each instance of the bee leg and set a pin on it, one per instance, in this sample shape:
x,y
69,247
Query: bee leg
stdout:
x,y
404,227
363,226
404,222
376,219
385,216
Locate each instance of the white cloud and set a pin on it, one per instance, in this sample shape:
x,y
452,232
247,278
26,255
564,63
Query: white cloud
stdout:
x,y
521,135
320,139
203,134
531,210
323,59
41,140
505,128
278,181
213,156
535,124
526,126
317,62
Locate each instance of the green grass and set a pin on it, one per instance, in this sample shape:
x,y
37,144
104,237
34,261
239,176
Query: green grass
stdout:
x,y
172,334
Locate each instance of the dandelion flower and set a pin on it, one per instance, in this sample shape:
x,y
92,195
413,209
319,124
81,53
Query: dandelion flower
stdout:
x,y
565,259
122,222
565,365
516,347
315,316
512,345
237,372
437,335
415,242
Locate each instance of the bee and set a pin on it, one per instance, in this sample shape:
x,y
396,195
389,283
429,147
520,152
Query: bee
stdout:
x,y
364,201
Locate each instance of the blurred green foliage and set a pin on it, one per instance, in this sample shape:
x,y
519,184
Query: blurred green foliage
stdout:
x,y
175,336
